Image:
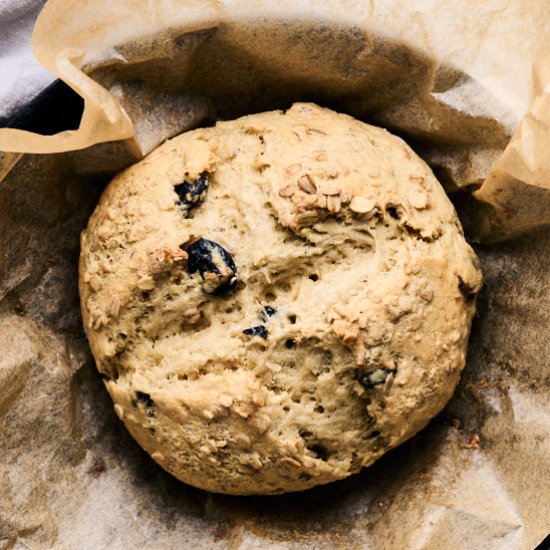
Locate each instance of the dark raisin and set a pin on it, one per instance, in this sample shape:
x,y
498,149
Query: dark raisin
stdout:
x,y
270,310
260,331
290,343
191,194
370,379
215,265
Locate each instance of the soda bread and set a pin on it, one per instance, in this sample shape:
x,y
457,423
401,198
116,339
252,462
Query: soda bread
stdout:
x,y
276,301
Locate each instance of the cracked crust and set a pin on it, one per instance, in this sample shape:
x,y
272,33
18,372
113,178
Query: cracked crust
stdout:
x,y
340,229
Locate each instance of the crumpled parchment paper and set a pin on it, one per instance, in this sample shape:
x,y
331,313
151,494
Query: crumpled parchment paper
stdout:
x,y
465,83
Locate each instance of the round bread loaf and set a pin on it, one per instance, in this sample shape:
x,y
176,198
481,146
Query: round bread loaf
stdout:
x,y
276,301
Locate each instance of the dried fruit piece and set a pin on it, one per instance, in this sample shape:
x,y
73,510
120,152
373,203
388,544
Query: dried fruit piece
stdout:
x,y
259,330
193,193
215,265
268,312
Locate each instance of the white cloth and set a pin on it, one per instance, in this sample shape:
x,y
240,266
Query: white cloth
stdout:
x,y
21,77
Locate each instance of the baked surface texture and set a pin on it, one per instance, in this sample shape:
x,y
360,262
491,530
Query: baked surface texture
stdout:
x,y
336,251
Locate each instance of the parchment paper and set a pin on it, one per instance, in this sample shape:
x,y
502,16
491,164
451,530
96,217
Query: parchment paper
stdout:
x,y
458,81
467,82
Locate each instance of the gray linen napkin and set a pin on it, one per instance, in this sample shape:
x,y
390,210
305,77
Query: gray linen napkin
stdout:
x,y
21,77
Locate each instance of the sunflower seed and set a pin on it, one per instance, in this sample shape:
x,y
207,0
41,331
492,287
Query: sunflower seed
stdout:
x,y
345,198
310,216
307,185
333,204
321,201
362,205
